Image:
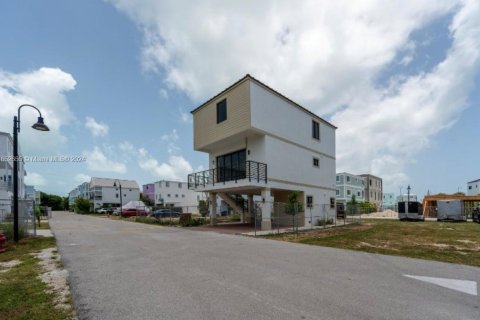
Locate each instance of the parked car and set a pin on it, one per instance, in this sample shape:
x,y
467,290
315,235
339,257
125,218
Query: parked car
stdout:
x,y
133,213
116,211
102,210
164,213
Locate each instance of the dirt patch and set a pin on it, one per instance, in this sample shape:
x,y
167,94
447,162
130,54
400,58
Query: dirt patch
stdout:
x,y
55,276
377,246
466,241
6,266
440,245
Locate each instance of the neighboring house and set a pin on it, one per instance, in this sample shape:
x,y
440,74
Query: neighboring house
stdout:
x,y
81,191
348,185
103,192
373,190
473,187
389,201
148,191
72,196
6,173
177,194
262,143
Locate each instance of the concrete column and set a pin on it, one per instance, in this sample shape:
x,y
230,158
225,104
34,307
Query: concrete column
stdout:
x,y
250,208
266,209
213,207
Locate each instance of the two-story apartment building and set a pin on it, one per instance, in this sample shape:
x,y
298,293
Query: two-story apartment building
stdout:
x,y
262,143
473,187
373,190
177,194
106,192
349,185
148,191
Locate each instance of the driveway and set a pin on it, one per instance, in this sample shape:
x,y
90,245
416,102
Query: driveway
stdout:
x,y
124,270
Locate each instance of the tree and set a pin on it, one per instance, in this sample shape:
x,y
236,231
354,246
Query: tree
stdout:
x,y
53,201
148,202
66,204
81,205
293,206
203,207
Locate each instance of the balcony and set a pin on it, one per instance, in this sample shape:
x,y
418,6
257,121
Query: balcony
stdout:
x,y
251,171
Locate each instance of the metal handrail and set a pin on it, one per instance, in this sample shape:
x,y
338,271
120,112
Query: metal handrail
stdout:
x,y
251,170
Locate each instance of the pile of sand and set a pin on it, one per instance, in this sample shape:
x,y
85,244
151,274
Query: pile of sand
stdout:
x,y
390,214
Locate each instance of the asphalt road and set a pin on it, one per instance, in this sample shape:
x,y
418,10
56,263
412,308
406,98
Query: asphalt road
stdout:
x,y
124,270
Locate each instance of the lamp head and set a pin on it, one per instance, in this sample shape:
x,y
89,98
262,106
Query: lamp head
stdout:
x,y
40,125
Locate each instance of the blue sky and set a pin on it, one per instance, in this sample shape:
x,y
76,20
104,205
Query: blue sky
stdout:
x,y
117,80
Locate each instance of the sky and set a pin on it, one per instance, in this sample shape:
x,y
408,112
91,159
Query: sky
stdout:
x,y
116,81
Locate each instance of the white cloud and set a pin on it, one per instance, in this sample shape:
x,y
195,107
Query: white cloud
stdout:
x,y
327,56
45,88
81,178
126,147
35,179
176,168
97,161
185,117
384,132
171,140
97,129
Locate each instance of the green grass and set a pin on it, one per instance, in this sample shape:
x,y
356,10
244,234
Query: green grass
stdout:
x,y
43,225
22,294
439,241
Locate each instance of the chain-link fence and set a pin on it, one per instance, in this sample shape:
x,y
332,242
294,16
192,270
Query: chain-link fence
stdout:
x,y
26,220
287,217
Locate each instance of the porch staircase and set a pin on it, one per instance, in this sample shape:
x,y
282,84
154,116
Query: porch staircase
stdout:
x,y
231,202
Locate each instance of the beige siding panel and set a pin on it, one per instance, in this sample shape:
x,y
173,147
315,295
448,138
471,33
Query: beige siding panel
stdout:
x,y
205,127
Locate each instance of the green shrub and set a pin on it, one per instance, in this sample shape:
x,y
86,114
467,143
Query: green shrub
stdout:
x,y
81,206
193,222
162,222
7,229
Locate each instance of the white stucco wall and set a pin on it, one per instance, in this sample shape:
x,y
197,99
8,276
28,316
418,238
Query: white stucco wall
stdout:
x,y
276,116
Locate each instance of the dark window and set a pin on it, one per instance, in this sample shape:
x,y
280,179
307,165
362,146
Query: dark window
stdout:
x,y
316,162
348,179
179,185
315,130
231,166
309,201
332,202
222,111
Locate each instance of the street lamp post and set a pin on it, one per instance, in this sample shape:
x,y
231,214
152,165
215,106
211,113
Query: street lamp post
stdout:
x,y
408,198
120,187
16,129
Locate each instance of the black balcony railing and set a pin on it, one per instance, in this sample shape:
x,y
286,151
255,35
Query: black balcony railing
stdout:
x,y
248,170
